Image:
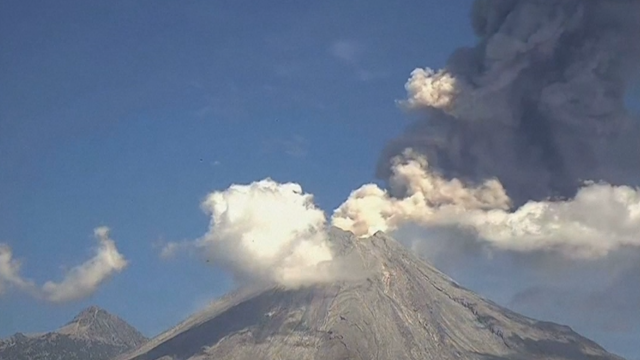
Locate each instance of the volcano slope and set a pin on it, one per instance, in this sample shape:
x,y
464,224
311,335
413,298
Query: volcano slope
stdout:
x,y
400,308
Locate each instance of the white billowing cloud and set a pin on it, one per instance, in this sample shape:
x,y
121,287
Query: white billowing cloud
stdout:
x,y
10,271
430,199
411,176
84,280
600,219
269,231
427,88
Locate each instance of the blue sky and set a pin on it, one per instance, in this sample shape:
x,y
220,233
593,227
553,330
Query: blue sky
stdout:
x,y
126,114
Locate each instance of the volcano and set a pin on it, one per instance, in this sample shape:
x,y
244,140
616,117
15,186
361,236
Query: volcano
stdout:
x,y
400,308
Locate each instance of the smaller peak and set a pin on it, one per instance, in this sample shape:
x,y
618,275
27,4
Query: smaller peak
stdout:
x,y
91,312
19,336
95,323
89,318
93,309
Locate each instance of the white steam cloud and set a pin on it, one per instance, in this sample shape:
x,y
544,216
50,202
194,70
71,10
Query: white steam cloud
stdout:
x,y
428,88
274,232
267,231
10,271
78,283
600,219
84,280
428,197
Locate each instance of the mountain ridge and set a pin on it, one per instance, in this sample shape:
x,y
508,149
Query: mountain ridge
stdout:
x,y
93,334
402,308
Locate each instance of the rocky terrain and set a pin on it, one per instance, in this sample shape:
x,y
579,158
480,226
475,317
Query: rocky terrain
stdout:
x,y
401,308
94,334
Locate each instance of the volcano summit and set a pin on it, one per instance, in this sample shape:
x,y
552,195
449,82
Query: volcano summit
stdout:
x,y
400,308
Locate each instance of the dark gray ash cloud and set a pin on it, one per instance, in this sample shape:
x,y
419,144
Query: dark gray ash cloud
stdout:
x,y
538,103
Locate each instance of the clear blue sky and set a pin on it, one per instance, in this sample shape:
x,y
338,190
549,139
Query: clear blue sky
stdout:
x,y
125,114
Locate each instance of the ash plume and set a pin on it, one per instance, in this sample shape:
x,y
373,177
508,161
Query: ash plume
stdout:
x,y
598,221
538,103
524,140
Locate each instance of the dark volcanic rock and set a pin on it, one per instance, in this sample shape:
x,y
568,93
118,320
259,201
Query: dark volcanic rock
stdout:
x,y
92,335
402,309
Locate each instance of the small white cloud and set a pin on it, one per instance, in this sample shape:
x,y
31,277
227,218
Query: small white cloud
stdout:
x,y
10,271
79,282
84,280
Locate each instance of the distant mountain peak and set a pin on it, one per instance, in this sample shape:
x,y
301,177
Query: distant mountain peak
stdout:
x,y
17,337
89,314
96,323
93,309
93,334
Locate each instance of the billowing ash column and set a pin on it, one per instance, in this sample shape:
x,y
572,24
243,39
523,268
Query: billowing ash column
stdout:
x,y
538,103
